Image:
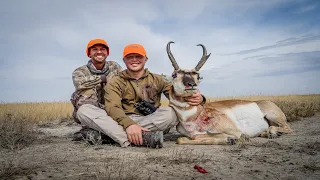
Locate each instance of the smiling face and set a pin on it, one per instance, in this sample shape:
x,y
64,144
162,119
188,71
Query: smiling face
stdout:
x,y
185,82
135,62
98,53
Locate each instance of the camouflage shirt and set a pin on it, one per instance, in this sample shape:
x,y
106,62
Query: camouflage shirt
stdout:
x,y
89,83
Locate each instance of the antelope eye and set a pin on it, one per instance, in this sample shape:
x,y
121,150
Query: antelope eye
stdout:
x,y
174,75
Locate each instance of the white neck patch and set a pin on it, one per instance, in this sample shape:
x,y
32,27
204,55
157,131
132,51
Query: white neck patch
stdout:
x,y
185,114
178,103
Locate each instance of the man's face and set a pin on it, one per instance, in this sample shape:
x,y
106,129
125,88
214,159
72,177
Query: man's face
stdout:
x,y
135,62
98,53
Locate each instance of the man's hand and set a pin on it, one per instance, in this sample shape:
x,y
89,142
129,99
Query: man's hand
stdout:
x,y
134,133
195,99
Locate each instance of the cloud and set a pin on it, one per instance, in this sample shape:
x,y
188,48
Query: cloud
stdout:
x,y
44,41
273,65
286,42
291,63
307,8
302,83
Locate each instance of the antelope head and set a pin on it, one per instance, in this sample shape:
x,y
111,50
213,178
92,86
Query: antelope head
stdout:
x,y
185,82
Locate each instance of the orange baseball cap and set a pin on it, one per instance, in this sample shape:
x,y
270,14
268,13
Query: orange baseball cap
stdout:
x,y
134,48
95,42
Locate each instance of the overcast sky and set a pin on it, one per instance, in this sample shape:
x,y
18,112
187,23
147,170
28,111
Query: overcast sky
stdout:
x,y
258,47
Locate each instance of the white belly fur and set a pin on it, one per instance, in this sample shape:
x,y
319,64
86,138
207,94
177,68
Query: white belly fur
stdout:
x,y
249,119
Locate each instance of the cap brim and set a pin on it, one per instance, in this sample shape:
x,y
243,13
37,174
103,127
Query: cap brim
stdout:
x,y
98,44
134,53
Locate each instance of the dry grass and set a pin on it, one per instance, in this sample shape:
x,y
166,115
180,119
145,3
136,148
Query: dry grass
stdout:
x,y
16,133
294,106
37,112
11,166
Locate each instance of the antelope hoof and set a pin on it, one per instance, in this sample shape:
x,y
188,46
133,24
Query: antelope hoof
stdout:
x,y
231,141
272,135
182,140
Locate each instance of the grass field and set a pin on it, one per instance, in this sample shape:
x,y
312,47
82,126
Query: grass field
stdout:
x,y
294,106
19,123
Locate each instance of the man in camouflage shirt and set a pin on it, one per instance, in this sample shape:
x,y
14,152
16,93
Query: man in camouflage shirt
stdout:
x,y
132,86
89,81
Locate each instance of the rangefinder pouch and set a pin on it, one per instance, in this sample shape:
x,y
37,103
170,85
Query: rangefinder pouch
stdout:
x,y
145,108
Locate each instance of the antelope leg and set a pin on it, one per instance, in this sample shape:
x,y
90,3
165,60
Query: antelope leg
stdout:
x,y
208,139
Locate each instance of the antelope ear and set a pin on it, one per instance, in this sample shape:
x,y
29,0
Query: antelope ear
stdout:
x,y
166,78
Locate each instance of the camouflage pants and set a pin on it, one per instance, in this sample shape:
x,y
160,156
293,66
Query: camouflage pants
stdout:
x,y
97,118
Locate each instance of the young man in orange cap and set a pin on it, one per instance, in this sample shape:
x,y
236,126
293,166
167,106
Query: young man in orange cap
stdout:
x,y
89,80
134,85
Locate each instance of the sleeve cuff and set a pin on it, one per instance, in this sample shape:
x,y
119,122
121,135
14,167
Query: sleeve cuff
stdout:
x,y
127,122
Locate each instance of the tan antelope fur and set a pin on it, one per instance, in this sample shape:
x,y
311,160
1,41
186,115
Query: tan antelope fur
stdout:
x,y
219,122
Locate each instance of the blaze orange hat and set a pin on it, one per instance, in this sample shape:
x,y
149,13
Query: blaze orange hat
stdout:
x,y
134,48
95,42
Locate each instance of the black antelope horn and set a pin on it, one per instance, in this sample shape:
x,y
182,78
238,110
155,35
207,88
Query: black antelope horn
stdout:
x,y
173,61
203,58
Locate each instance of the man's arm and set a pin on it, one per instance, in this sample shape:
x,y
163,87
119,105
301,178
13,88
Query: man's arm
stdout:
x,y
83,79
113,91
114,69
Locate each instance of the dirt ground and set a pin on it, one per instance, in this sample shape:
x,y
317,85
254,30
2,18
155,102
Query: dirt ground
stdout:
x,y
55,156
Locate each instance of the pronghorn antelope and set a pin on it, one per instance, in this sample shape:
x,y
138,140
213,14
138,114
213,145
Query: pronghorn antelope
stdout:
x,y
220,122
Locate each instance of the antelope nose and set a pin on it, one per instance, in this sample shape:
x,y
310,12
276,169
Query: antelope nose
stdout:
x,y
191,84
